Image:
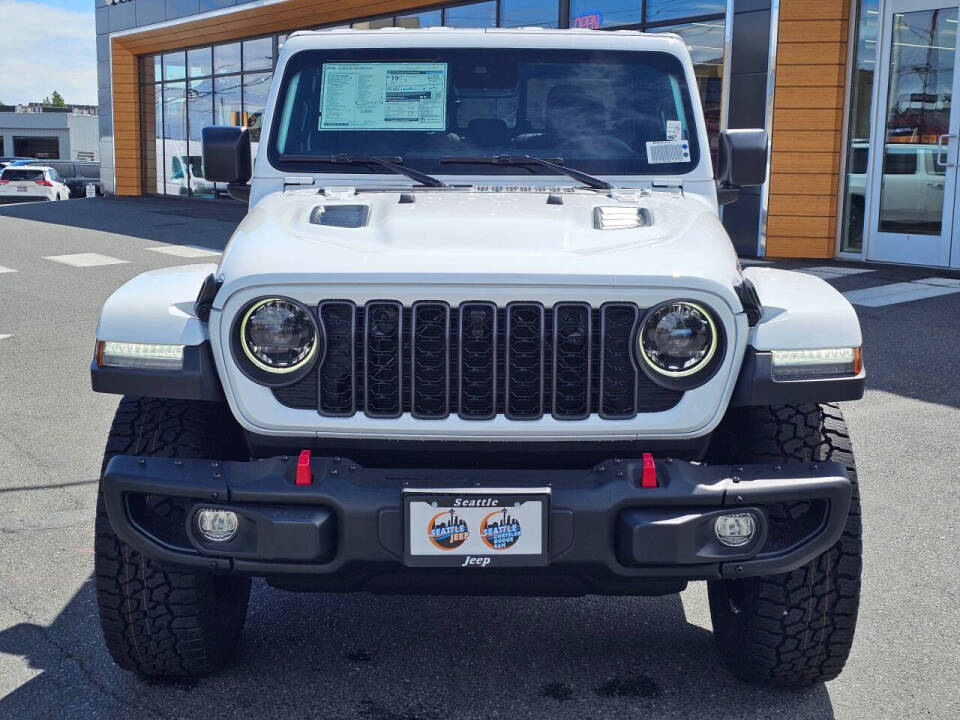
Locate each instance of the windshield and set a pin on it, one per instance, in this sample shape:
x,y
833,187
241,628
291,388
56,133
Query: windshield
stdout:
x,y
601,112
16,174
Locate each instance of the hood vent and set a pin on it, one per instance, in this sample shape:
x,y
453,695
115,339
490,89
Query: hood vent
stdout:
x,y
342,216
621,218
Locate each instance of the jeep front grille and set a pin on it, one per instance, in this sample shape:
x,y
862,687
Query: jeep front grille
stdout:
x,y
477,361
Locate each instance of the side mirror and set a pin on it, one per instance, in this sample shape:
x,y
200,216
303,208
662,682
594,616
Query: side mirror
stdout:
x,y
226,157
741,161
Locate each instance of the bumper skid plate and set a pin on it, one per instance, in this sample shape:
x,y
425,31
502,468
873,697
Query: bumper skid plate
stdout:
x,y
603,527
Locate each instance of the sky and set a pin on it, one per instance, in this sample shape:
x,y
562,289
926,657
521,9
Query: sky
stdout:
x,y
48,45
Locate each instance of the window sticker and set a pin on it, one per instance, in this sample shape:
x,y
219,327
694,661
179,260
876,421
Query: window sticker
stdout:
x,y
383,96
668,151
674,131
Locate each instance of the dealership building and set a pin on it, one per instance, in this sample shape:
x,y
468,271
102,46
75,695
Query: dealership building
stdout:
x,y
855,96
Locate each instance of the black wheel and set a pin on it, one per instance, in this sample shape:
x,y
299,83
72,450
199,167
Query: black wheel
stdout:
x,y
796,628
158,621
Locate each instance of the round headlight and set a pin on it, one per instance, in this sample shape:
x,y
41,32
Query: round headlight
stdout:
x,y
677,339
278,335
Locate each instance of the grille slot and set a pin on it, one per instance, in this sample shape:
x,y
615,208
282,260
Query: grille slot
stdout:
x,y
618,376
383,348
336,389
477,393
523,366
478,361
430,360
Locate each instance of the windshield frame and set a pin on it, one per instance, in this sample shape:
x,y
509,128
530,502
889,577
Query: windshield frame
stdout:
x,y
315,57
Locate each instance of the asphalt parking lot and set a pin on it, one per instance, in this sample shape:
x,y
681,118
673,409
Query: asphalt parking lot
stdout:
x,y
412,658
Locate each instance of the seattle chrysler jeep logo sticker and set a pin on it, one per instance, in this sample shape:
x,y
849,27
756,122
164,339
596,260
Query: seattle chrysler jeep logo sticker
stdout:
x,y
499,530
447,530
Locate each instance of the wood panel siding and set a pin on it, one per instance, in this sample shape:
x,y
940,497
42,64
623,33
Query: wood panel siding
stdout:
x,y
806,133
275,17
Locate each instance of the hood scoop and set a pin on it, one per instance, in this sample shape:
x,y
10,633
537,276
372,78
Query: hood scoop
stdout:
x,y
621,218
341,216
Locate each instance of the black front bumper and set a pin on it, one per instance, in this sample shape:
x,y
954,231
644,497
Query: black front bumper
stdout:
x,y
606,533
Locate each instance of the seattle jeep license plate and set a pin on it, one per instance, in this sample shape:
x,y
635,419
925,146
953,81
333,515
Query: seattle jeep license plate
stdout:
x,y
476,528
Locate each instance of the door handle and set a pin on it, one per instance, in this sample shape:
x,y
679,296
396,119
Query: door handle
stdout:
x,y
940,148
935,185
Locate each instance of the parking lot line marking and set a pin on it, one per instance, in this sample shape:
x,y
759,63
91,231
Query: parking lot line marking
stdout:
x,y
4,269
838,270
184,251
832,273
4,337
942,282
85,259
896,293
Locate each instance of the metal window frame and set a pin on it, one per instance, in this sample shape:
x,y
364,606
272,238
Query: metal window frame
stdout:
x,y
768,124
852,39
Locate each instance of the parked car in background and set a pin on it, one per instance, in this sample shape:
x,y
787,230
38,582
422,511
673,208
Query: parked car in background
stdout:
x,y
31,183
76,175
5,161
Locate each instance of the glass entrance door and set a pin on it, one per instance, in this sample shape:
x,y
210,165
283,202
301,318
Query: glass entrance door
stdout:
x,y
915,140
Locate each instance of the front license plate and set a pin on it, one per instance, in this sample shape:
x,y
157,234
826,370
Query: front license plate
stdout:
x,y
476,528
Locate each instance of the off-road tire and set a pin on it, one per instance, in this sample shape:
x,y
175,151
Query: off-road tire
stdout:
x,y
158,621
796,628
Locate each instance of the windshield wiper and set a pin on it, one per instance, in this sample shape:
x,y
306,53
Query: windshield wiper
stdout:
x,y
348,159
521,160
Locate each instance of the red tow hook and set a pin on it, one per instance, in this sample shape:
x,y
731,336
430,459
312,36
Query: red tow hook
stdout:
x,y
303,468
649,477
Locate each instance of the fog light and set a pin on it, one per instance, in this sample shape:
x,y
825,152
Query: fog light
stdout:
x,y
217,525
735,530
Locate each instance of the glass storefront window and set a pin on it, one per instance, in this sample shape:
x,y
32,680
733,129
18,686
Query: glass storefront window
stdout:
x,y
373,24
858,127
256,87
226,58
226,101
200,62
658,10
481,14
431,18
605,13
151,147
258,54
174,66
529,13
175,166
199,115
150,67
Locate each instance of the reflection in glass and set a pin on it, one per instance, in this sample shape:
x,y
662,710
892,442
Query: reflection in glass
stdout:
x,y
226,58
373,24
858,143
529,13
200,62
605,13
200,114
705,42
420,20
151,70
258,54
174,66
256,87
481,14
177,174
917,114
658,10
151,126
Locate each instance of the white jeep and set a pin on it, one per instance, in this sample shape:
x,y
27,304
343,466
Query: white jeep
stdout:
x,y
481,331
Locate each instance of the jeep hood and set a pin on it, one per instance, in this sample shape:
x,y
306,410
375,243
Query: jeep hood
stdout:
x,y
524,236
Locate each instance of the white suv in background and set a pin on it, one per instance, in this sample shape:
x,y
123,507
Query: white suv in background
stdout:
x,y
31,183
